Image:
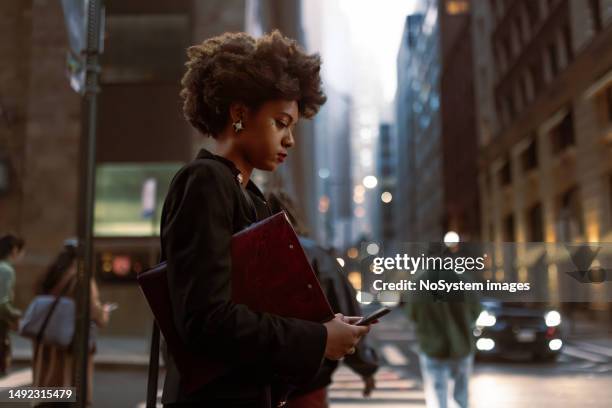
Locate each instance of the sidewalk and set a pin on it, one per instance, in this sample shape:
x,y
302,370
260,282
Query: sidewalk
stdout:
x,y
111,351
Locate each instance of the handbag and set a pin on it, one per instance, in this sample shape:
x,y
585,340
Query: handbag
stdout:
x,y
51,320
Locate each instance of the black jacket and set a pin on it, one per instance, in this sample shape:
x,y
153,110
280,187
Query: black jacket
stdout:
x,y
203,209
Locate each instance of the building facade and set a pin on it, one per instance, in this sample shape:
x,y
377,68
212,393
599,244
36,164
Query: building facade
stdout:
x,y
543,74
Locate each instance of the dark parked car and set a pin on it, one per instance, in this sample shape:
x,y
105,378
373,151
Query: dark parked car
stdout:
x,y
508,329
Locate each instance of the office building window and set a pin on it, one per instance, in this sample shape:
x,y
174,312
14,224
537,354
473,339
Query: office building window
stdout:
x,y
535,225
567,43
595,10
562,135
553,60
529,158
608,100
570,224
505,174
533,12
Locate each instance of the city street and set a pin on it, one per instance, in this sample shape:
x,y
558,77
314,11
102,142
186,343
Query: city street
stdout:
x,y
580,378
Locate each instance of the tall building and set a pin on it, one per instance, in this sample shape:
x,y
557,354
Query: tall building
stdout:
x,y
385,172
543,73
459,138
437,173
420,201
405,213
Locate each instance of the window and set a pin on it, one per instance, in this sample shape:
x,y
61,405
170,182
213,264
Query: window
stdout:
x,y
553,60
562,135
567,43
610,202
536,76
608,100
129,198
535,228
533,12
529,158
505,174
570,224
595,11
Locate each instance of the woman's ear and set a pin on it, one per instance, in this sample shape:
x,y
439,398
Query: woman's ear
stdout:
x,y
237,111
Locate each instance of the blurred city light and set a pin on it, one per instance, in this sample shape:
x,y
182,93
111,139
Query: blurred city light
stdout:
x,y
451,238
555,344
324,173
486,319
352,253
340,261
553,318
360,212
323,204
485,344
358,199
355,278
359,190
370,181
386,197
364,298
372,248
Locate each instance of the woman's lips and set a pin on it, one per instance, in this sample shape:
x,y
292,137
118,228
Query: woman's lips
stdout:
x,y
281,157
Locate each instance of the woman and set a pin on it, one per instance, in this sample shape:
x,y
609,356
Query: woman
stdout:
x,y
11,251
248,95
52,365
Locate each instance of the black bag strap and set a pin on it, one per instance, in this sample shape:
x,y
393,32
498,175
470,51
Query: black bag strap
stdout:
x,y
153,367
41,332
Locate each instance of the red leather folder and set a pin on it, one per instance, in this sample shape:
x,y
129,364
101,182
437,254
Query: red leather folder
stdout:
x,y
270,273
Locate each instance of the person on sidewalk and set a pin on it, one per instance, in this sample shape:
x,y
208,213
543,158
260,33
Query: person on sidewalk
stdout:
x,y
11,252
444,323
342,298
247,94
52,366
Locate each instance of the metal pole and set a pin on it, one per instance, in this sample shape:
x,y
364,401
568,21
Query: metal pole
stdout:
x,y
86,199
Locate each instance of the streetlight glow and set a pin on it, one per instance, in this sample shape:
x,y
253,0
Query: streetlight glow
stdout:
x,y
386,197
370,181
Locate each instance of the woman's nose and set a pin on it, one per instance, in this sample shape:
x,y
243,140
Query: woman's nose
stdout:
x,y
288,141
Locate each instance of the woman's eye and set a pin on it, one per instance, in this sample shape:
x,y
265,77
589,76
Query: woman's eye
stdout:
x,y
281,124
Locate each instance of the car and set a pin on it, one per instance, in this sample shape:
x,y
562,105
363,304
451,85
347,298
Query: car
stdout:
x,y
507,329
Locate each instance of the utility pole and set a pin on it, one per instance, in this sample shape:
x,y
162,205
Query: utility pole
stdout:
x,y
85,21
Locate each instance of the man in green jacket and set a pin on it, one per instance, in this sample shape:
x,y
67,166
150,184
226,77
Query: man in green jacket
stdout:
x,y
11,251
444,323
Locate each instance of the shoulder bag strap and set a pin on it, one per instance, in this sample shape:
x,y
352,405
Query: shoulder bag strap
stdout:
x,y
41,332
153,368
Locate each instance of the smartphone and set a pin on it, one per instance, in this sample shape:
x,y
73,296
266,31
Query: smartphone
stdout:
x,y
374,316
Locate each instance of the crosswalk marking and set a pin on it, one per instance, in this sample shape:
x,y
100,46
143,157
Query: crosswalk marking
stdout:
x,y
585,355
20,378
394,355
594,348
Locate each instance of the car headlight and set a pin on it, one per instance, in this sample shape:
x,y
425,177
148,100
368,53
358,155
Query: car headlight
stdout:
x,y
553,318
486,319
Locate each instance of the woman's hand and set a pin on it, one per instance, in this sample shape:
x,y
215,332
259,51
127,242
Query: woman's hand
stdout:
x,y
342,337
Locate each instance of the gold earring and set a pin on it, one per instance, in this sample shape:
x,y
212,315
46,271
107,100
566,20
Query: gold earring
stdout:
x,y
238,126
